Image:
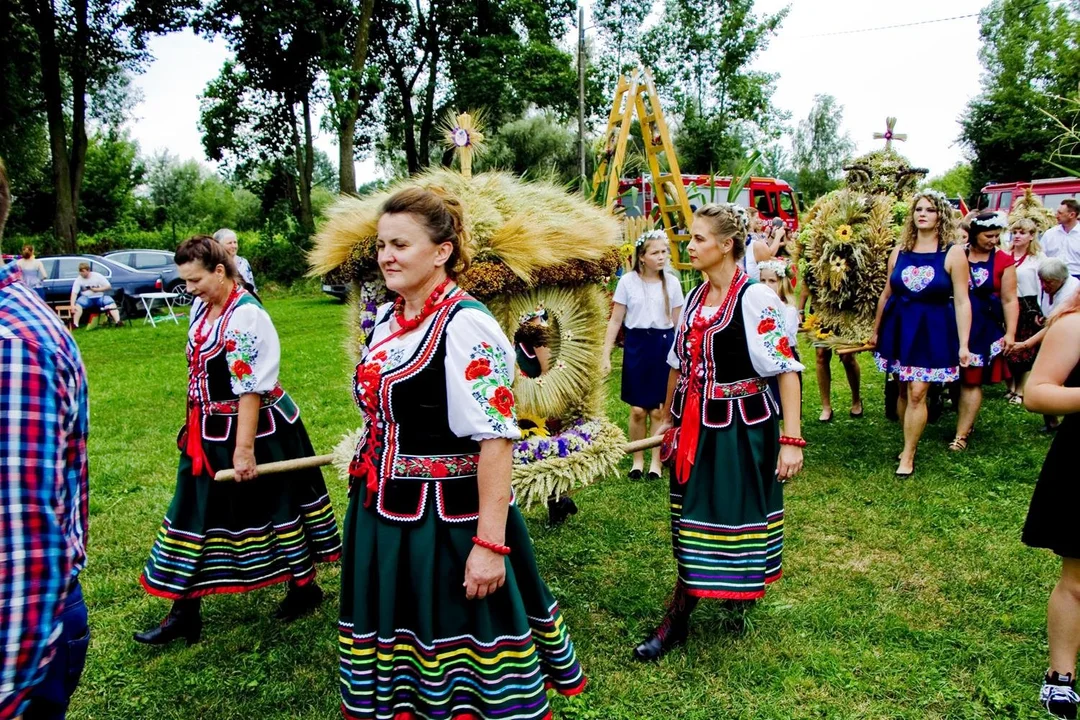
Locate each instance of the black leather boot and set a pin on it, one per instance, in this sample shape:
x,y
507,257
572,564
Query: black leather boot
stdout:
x,y
183,621
672,631
299,601
559,509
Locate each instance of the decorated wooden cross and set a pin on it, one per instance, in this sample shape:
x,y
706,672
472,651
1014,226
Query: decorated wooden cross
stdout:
x,y
888,136
465,136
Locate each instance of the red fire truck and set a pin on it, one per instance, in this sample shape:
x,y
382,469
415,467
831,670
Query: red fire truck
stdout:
x,y
1051,191
773,198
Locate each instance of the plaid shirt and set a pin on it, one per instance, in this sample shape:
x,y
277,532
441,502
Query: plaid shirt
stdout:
x,y
43,484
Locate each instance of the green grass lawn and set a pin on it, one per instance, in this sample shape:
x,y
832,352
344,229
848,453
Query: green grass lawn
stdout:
x,y
900,598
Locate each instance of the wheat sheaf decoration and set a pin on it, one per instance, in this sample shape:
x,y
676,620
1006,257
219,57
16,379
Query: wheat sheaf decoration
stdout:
x,y
845,248
1031,208
531,244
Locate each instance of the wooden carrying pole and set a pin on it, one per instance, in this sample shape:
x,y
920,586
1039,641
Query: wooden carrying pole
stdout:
x,y
317,461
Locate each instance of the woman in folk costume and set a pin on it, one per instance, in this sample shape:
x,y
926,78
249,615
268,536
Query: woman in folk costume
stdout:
x,y
729,459
232,537
443,612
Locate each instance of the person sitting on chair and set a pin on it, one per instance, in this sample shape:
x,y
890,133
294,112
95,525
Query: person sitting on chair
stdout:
x,y
88,292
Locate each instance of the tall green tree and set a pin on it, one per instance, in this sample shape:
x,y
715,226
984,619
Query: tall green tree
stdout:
x,y
113,171
352,83
499,56
172,186
820,148
618,26
1031,58
82,50
535,146
954,182
701,53
275,82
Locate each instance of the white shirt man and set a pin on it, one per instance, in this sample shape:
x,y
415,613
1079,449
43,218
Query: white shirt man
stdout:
x,y
1063,240
88,293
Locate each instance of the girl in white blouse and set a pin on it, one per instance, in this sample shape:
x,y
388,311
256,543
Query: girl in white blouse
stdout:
x,y
647,304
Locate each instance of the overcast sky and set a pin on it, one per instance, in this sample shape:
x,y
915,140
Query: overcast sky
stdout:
x,y
922,74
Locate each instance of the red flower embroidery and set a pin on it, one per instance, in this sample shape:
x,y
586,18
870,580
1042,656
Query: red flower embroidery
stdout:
x,y
503,400
478,369
379,356
230,345
439,470
784,347
766,325
241,369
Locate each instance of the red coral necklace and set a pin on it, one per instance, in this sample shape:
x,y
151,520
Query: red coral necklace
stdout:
x,y
200,336
407,324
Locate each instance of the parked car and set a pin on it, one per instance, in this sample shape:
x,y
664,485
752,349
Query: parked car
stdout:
x,y
160,261
336,284
127,282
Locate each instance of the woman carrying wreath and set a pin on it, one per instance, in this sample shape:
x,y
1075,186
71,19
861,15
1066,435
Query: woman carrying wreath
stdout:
x,y
443,612
234,537
730,461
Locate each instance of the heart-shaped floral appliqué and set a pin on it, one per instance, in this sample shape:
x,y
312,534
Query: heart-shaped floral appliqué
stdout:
x,y
978,277
916,278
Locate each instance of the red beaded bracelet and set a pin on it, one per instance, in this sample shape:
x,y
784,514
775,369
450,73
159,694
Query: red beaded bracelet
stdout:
x,y
493,547
797,442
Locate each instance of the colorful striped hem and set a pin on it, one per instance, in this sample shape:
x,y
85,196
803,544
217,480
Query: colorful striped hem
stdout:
x,y
506,678
733,562
183,564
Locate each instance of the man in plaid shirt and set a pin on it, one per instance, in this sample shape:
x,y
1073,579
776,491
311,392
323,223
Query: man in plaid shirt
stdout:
x,y
43,502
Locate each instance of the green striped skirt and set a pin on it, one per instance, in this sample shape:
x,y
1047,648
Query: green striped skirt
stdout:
x,y
231,537
727,521
412,646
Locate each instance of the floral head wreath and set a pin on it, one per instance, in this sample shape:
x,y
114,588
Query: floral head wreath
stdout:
x,y
996,221
740,213
540,313
932,193
650,235
777,266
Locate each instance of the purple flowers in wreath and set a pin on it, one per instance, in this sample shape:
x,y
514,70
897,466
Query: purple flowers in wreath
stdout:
x,y
577,436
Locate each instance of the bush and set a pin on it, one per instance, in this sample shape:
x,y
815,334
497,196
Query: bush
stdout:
x,y
277,256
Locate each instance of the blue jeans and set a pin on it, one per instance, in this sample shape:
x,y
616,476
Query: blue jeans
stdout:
x,y
49,699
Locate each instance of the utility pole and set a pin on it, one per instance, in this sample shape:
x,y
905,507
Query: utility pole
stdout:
x,y
581,90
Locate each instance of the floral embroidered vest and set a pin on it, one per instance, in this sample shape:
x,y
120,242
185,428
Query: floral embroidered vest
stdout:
x,y
731,386
211,366
421,462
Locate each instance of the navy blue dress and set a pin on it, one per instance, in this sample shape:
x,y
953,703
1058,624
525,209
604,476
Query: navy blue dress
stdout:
x,y
987,337
918,340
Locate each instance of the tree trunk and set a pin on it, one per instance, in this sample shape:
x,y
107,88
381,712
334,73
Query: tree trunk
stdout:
x,y
303,165
349,111
306,168
77,161
397,74
44,22
427,121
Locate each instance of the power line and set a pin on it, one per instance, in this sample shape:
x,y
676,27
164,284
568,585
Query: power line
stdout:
x,y
1051,3
888,27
